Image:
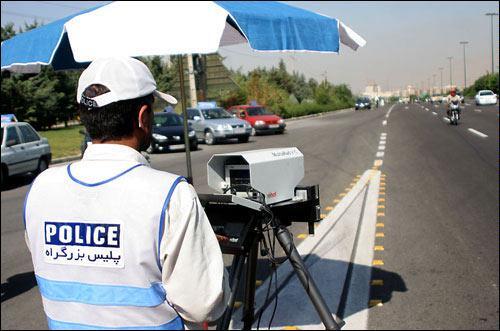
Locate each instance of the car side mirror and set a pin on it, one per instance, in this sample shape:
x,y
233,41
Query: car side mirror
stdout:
x,y
197,118
10,143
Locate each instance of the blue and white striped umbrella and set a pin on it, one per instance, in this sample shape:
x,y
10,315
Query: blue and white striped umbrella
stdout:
x,y
141,28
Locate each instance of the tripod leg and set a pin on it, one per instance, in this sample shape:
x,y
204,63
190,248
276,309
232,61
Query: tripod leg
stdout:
x,y
249,303
236,272
285,240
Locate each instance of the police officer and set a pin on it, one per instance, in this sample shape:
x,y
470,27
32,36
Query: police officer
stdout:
x,y
115,243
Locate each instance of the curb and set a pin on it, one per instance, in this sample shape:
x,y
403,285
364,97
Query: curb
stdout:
x,y
66,159
318,114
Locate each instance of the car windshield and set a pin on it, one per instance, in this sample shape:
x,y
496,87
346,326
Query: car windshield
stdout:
x,y
486,93
167,120
255,111
215,113
363,100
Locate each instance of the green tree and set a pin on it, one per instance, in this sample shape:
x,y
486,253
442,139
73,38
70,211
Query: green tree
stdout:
x,y
8,31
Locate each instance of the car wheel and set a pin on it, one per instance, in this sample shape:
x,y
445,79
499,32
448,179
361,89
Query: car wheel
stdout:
x,y
42,166
194,145
209,138
243,139
4,176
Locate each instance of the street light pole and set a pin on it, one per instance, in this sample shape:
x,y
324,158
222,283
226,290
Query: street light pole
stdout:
x,y
451,80
492,53
465,67
441,70
433,83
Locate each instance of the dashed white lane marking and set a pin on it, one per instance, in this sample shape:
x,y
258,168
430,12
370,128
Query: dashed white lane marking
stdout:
x,y
384,123
427,109
434,113
378,163
406,108
480,134
379,154
478,110
382,142
381,148
446,119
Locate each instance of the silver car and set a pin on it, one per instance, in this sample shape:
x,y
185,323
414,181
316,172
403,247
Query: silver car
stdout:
x,y
216,124
23,150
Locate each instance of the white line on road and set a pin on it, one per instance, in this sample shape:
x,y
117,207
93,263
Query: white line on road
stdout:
x,y
478,110
378,163
384,123
434,113
379,154
381,148
480,134
382,142
427,109
446,119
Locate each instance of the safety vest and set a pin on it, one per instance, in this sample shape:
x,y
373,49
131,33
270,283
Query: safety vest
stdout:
x,y
95,248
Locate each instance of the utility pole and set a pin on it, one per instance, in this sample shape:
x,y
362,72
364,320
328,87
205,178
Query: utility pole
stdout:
x,y
465,68
429,85
451,80
433,83
441,70
492,53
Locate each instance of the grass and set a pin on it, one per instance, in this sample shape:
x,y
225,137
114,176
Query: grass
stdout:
x,y
64,141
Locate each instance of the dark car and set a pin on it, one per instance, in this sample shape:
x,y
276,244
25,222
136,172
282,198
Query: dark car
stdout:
x,y
363,103
168,130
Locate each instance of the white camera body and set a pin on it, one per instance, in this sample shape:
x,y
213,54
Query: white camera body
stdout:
x,y
275,172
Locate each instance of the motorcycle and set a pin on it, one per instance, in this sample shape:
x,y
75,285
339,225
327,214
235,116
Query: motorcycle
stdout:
x,y
454,113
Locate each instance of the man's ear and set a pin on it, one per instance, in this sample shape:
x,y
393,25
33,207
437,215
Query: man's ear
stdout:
x,y
144,117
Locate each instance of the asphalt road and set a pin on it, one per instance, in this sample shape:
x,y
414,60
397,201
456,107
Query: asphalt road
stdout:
x,y
441,232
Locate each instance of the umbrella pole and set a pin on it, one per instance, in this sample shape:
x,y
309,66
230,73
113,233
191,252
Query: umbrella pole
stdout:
x,y
185,121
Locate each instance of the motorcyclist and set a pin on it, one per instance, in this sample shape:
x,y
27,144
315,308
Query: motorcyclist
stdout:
x,y
451,98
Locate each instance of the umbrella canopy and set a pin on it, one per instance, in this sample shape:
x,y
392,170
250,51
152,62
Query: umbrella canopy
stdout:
x,y
141,28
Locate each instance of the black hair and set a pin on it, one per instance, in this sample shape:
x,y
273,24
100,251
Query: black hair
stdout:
x,y
114,121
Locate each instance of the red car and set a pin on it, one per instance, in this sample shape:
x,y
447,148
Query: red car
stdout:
x,y
260,119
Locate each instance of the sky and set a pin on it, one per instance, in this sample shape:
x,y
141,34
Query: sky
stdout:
x,y
406,41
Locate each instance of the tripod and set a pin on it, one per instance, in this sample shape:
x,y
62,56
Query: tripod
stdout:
x,y
220,211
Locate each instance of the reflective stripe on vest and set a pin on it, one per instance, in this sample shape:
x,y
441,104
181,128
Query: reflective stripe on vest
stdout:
x,y
175,324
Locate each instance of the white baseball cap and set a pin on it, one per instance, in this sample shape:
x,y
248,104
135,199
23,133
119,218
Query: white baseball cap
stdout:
x,y
125,77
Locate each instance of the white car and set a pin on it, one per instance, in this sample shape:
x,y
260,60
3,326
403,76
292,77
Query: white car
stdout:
x,y
486,97
23,150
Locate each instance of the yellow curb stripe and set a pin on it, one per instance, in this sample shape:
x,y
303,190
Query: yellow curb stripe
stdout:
x,y
377,282
323,216
379,235
374,303
381,193
380,214
381,200
380,207
336,201
382,184
378,262
329,208
379,248
342,195
302,236
258,283
379,225
290,328
237,304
